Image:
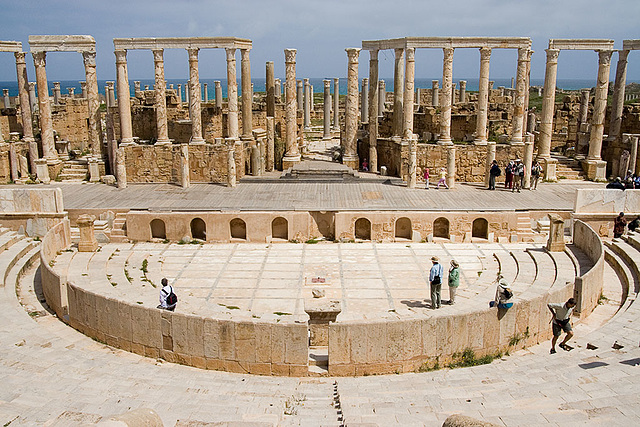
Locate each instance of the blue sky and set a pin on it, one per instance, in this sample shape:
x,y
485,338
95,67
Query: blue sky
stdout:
x,y
320,30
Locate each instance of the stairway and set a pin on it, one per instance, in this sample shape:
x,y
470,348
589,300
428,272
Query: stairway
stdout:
x,y
568,168
318,361
74,171
119,228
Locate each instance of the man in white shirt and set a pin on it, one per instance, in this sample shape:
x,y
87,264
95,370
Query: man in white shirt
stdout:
x,y
435,280
167,301
561,322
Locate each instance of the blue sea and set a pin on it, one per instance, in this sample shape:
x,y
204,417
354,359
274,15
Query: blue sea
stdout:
x,y
259,84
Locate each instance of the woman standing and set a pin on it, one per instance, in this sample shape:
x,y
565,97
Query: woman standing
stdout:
x,y
454,281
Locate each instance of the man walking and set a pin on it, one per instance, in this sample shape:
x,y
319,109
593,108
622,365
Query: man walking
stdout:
x,y
561,322
435,280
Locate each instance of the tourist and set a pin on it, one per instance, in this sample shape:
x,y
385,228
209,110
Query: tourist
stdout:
x,y
536,171
503,294
494,172
443,179
508,175
454,280
426,178
633,225
518,175
616,184
435,280
168,298
618,226
365,165
561,322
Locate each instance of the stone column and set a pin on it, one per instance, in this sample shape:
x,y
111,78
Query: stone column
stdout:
x,y
408,101
88,242
555,243
271,136
617,103
398,93
633,158
528,159
350,144
93,102
57,94
185,178
364,101
382,97
326,134
205,89
527,89
483,97
453,92
582,142
124,103
451,166
413,156
435,84
180,94
83,85
291,155
306,105
491,156
33,99
445,101
7,99
336,105
161,98
584,105
121,168
232,93
596,169
247,93
231,162
218,93
300,95
517,129
546,121
72,92
374,94
13,160
25,108
194,98
112,94
278,91
46,121
463,91
271,90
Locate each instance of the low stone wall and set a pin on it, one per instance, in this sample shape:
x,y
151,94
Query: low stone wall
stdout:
x,y
588,286
599,207
33,210
54,285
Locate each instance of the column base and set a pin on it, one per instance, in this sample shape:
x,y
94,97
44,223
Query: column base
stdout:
x,y
163,142
516,142
197,141
445,142
550,166
290,161
480,142
351,161
596,170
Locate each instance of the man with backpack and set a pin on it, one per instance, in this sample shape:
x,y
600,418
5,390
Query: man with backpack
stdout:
x,y
536,171
435,280
168,298
494,172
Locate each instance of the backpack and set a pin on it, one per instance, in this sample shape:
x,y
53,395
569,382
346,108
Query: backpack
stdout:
x,y
172,298
507,293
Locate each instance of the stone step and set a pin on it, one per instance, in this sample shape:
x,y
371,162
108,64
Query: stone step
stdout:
x,y
13,254
319,356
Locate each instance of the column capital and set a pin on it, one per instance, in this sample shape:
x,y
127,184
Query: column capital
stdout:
x,y
529,54
435,84
552,55
604,56
89,59
20,57
121,56
353,53
622,55
381,83
245,52
485,53
39,58
299,83
110,84
448,53
158,55
411,53
399,51
306,81
523,54
231,53
193,53
290,56
327,83
373,55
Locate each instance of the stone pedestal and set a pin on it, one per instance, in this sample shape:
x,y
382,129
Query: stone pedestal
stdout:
x,y
185,177
42,171
94,170
596,170
555,242
549,165
88,242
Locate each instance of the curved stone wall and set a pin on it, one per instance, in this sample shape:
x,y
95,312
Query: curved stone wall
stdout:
x,y
589,285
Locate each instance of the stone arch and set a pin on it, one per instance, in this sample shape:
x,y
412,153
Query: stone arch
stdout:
x,y
403,228
280,228
238,229
441,227
158,229
198,229
363,229
480,228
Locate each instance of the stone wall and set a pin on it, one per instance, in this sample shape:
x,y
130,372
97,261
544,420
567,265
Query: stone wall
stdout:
x,y
589,285
32,210
70,122
599,207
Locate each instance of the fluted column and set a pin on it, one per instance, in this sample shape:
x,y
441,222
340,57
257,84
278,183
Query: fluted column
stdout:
x,y
326,134
599,105
336,105
124,102
93,101
300,95
232,93
617,102
398,93
364,101
483,97
548,104
161,98
271,90
382,97
445,99
25,108
292,155
526,91
350,144
528,159
46,122
409,93
247,93
517,129
194,98
374,95
306,104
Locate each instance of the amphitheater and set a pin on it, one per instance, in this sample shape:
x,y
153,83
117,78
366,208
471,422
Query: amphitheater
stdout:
x,y
303,293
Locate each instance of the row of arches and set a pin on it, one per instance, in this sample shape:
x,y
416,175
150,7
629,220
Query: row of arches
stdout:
x,y
280,228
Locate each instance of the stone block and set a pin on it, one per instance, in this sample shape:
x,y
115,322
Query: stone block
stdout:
x,y
342,370
444,333
198,362
259,368
263,342
227,340
151,352
195,336
428,332
179,333
459,332
395,341
211,338
475,328
298,370
123,321
412,339
183,359
339,343
137,348
214,364
297,348
280,369
376,337
359,334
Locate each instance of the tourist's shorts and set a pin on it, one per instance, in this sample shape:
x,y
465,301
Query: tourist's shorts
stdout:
x,y
558,328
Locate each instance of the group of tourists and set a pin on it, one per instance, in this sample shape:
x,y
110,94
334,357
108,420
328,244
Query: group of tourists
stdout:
x,y
436,277
620,224
631,182
514,175
441,181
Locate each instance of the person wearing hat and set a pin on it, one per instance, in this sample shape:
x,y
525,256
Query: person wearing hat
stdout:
x,y
503,294
454,280
435,280
518,176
